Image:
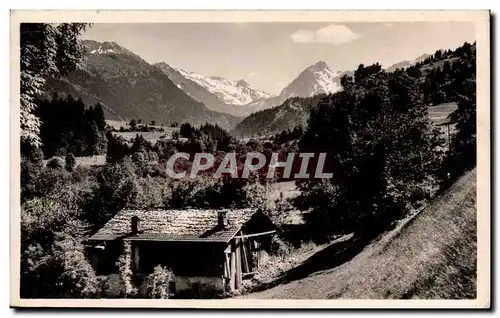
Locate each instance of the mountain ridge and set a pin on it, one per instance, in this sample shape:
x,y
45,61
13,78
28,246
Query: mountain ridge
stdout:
x,y
315,79
129,87
231,92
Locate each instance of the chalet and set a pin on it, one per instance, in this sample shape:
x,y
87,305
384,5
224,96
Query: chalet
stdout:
x,y
209,251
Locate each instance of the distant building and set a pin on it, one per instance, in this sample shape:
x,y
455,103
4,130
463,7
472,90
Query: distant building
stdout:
x,y
209,251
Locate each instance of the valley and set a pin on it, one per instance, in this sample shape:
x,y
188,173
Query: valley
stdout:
x,y
144,178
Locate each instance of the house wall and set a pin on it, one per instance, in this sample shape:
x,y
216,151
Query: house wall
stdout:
x,y
183,258
104,260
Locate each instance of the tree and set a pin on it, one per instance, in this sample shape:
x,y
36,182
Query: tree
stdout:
x,y
447,69
68,127
117,188
70,162
376,129
99,117
438,55
31,153
92,136
116,148
47,50
186,130
462,153
133,124
78,279
153,123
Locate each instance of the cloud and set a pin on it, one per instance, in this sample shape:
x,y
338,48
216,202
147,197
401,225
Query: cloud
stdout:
x,y
252,74
333,34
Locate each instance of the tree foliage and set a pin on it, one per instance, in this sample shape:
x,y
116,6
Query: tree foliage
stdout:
x,y
46,50
381,149
462,153
125,270
70,162
67,126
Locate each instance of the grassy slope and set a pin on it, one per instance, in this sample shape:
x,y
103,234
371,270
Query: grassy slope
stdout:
x,y
432,255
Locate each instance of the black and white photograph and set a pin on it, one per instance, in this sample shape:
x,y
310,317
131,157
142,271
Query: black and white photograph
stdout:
x,y
251,159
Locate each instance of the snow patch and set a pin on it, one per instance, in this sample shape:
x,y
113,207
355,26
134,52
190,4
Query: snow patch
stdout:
x,y
326,82
229,91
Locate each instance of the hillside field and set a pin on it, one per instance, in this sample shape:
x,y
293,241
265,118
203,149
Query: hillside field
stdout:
x,y
429,255
151,136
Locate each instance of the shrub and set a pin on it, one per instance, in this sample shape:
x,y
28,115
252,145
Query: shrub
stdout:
x,y
117,188
257,195
277,265
159,283
78,278
175,135
55,163
70,162
124,264
279,247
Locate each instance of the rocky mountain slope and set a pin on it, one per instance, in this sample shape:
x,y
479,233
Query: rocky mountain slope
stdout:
x,y
316,79
230,92
196,91
129,87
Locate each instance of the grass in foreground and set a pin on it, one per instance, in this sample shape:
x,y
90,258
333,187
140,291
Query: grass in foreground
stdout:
x,y
432,255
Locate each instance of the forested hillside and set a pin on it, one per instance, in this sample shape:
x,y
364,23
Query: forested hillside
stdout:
x,y
129,87
435,73
293,112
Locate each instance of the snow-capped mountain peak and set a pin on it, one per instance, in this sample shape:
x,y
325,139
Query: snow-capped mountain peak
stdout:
x,y
229,91
242,82
317,78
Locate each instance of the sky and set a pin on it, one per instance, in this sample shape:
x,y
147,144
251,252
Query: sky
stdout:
x,y
271,55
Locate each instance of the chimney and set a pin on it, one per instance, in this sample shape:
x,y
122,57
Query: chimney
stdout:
x,y
222,219
135,223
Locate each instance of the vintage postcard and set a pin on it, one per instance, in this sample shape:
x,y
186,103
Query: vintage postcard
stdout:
x,y
250,159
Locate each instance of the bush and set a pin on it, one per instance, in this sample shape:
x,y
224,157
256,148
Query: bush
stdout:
x,y
279,247
70,162
78,279
274,266
257,195
39,181
175,135
124,264
439,98
56,163
159,283
117,188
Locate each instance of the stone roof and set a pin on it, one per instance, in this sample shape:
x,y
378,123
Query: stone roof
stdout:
x,y
174,225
